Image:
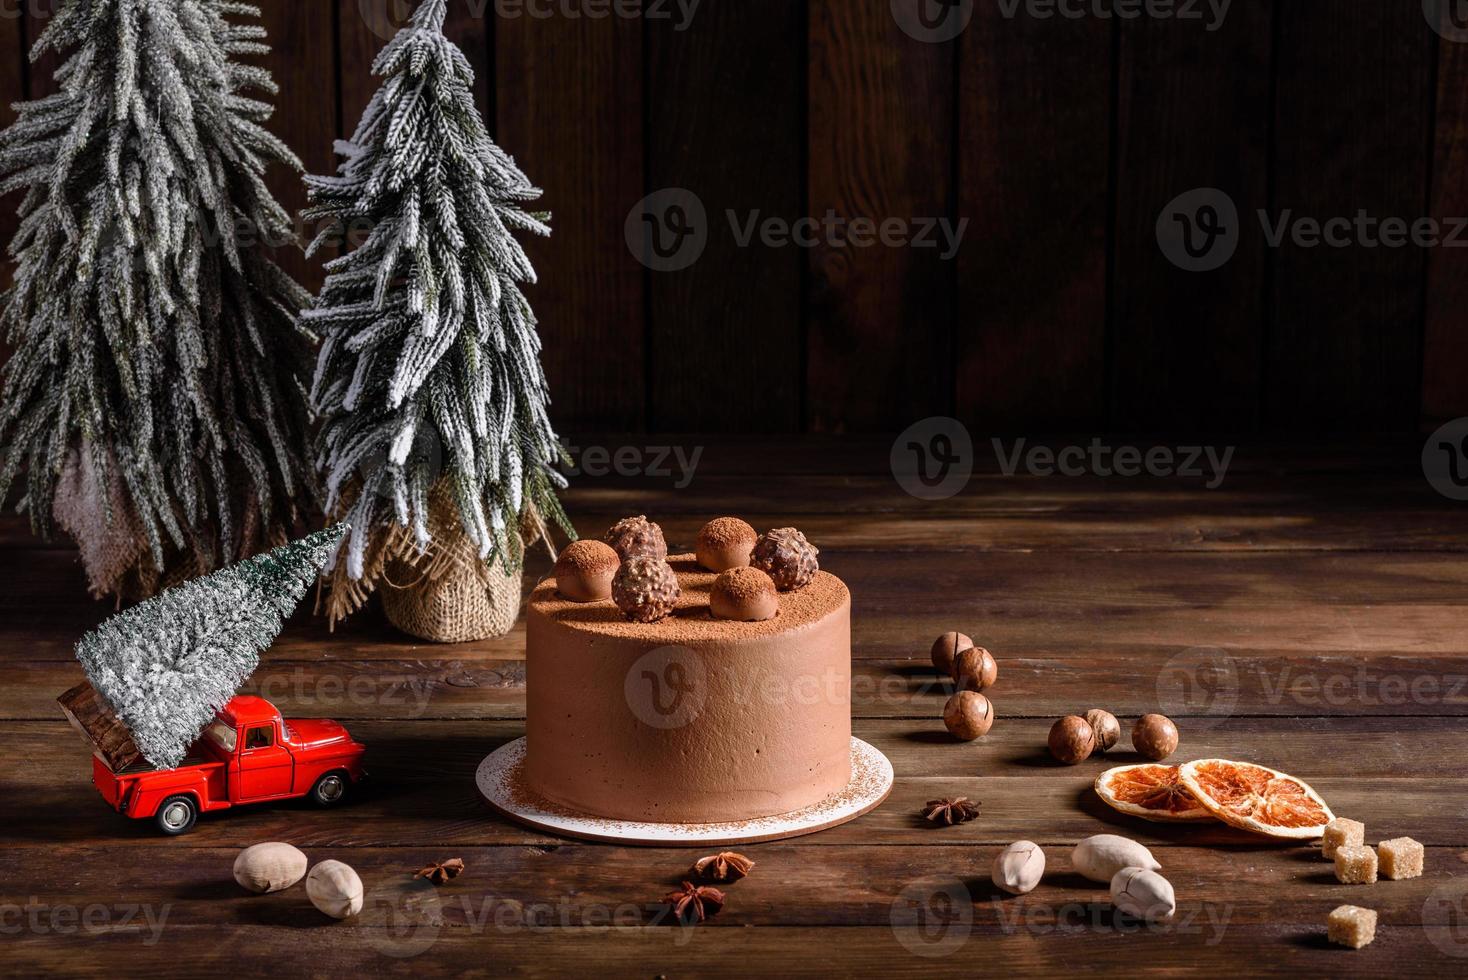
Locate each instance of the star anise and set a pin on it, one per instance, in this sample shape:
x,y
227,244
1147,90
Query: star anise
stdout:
x,y
694,903
724,866
951,810
442,871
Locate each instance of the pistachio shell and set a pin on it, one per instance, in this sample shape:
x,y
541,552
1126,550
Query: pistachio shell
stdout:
x,y
1144,894
1101,857
335,889
1019,867
269,867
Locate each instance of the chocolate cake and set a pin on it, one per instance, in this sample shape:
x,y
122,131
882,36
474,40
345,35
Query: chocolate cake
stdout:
x,y
689,719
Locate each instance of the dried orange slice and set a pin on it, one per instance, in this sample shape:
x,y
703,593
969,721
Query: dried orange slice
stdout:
x,y
1256,798
1150,791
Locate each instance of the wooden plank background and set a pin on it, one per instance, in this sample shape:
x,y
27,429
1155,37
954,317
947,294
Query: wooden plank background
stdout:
x,y
1058,139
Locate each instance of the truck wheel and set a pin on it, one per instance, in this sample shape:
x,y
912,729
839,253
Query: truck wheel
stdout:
x,y
176,815
330,789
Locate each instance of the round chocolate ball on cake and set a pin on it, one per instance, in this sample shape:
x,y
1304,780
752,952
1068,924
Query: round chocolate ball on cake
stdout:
x,y
724,543
637,537
645,589
585,569
745,594
787,557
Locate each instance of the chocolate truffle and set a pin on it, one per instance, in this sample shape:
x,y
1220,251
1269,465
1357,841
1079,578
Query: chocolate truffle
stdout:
x,y
724,543
585,569
645,589
786,557
637,537
946,649
744,594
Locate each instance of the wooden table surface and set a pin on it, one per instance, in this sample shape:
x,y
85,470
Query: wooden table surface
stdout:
x,y
1328,585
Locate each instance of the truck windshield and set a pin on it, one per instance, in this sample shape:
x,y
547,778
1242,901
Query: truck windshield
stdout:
x,y
222,735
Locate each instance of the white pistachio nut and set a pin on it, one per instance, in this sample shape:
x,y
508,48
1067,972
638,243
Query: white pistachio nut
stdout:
x,y
1144,894
1101,857
1019,867
335,889
269,867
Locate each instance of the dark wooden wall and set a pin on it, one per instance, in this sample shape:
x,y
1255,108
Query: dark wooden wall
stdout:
x,y
1060,140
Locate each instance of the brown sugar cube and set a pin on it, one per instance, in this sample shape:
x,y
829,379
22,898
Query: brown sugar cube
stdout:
x,y
1400,857
1351,925
1355,864
1339,833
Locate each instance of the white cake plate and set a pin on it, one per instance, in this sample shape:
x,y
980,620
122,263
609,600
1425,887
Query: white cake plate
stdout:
x,y
500,785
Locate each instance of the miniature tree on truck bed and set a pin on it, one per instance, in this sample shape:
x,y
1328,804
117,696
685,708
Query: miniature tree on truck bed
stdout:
x,y
159,671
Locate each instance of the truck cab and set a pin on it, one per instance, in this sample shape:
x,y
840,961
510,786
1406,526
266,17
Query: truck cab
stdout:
x,y
247,754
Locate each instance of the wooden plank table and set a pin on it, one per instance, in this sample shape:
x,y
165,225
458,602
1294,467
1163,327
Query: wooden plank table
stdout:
x,y
1331,583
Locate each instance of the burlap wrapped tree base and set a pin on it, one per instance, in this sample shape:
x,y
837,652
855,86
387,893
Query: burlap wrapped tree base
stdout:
x,y
446,594
462,604
111,541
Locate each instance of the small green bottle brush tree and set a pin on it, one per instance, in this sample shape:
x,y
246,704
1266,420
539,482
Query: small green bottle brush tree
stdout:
x,y
435,442
155,403
157,672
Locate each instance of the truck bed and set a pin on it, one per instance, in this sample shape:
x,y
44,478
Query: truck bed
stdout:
x,y
143,765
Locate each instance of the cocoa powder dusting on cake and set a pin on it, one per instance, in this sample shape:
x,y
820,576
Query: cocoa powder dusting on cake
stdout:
x,y
691,620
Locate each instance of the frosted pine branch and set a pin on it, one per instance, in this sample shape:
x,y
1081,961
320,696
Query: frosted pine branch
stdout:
x,y
426,335
149,337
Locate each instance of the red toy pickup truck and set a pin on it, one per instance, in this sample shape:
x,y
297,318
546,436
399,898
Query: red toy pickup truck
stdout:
x,y
248,754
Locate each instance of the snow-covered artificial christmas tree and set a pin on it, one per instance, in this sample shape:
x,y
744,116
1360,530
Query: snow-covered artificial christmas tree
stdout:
x,y
165,666
436,444
155,404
